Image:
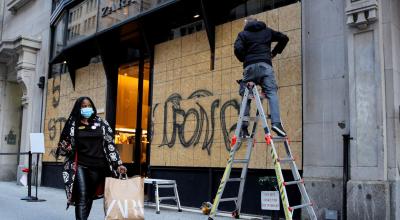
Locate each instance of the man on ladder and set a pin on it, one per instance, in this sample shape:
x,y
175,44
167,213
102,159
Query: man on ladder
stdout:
x,y
253,48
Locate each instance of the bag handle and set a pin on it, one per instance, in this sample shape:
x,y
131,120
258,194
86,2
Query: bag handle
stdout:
x,y
123,176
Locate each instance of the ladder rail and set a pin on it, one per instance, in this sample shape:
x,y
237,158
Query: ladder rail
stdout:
x,y
280,180
241,113
243,175
295,172
228,168
222,185
235,145
250,145
260,110
277,166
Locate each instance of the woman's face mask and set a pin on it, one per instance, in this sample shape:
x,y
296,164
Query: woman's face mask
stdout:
x,y
86,112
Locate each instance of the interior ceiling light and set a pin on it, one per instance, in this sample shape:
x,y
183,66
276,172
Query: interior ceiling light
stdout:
x,y
196,16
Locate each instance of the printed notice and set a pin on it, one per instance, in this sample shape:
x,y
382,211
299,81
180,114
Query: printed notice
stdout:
x,y
270,200
37,142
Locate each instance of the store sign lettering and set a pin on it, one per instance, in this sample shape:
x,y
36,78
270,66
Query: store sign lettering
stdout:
x,y
116,6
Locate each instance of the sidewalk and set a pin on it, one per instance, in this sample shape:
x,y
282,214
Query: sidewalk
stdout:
x,y
12,208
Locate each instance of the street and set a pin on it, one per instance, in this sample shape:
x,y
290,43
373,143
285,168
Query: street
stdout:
x,y
12,208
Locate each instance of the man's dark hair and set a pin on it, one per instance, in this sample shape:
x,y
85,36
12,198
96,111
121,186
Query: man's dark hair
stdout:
x,y
250,19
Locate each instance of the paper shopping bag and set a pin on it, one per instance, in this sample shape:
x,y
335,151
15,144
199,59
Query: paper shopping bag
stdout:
x,y
123,199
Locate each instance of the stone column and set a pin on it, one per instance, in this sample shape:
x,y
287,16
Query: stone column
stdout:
x,y
391,53
26,71
3,78
325,102
368,190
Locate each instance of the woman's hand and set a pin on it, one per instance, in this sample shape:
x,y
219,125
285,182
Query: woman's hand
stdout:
x,y
122,169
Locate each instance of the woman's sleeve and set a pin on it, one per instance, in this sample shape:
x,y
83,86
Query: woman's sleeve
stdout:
x,y
111,150
64,147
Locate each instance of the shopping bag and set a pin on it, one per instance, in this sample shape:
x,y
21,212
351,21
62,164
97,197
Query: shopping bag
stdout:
x,y
123,199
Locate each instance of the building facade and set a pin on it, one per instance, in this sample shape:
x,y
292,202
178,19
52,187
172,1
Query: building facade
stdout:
x,y
163,74
351,81
24,61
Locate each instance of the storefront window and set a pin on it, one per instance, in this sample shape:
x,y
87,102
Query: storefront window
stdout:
x,y
112,12
59,36
250,7
58,68
82,20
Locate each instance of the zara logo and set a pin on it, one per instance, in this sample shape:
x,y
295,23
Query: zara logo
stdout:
x,y
123,206
116,5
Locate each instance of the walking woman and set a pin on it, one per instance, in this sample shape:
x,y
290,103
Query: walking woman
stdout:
x,y
87,142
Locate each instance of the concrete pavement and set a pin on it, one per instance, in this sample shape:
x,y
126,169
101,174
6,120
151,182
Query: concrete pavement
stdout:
x,y
12,208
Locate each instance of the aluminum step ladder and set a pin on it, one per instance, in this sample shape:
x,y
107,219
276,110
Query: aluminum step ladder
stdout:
x,y
164,184
251,92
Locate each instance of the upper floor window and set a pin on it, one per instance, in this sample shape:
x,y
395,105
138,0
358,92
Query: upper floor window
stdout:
x,y
82,20
59,36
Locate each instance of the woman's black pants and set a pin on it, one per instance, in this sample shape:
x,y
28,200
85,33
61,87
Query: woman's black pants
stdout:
x,y
86,181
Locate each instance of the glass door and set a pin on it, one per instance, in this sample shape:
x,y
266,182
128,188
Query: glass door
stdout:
x,y
132,115
145,118
127,103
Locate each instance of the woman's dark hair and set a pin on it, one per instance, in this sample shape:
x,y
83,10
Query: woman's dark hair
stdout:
x,y
75,116
76,110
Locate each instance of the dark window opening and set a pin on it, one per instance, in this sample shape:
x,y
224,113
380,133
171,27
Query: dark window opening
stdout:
x,y
251,7
58,68
187,29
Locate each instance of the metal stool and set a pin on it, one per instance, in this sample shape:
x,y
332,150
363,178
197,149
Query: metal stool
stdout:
x,y
161,183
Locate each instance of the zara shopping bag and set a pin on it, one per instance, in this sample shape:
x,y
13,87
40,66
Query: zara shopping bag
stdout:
x,y
123,199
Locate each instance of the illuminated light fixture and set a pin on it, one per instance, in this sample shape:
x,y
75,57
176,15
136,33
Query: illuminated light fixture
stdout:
x,y
196,16
65,62
125,74
129,130
125,130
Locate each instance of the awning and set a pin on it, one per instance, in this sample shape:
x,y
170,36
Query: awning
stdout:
x,y
144,31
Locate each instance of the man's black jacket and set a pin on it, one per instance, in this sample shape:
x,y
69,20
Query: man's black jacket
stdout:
x,y
253,44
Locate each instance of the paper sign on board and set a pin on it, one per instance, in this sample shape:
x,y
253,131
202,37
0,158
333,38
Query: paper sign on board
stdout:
x,y
37,142
270,200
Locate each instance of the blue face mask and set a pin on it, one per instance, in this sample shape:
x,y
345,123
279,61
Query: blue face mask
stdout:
x,y
86,112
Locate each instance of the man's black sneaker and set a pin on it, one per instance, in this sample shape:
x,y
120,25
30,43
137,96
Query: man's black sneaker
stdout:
x,y
278,128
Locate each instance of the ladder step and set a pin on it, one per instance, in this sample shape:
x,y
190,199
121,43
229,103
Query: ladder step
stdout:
x,y
167,198
279,139
287,159
293,182
299,206
228,199
251,96
165,186
240,161
245,138
247,118
234,180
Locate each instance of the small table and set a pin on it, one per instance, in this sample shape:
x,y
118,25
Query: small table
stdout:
x,y
161,183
